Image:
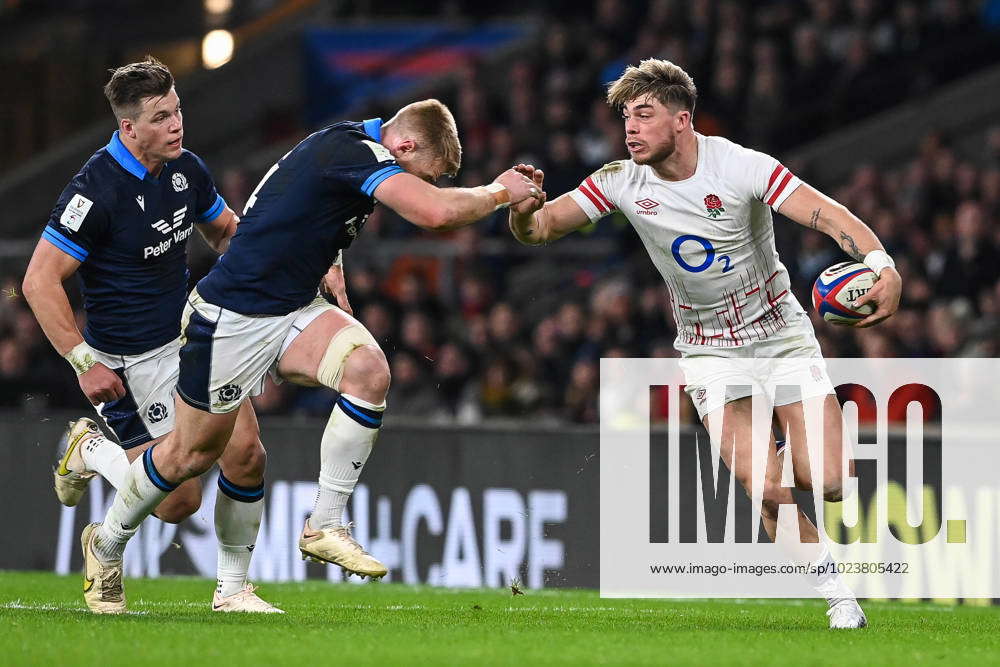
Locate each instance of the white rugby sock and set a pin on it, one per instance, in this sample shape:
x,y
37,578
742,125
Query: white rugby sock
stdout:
x,y
347,441
144,488
238,510
107,459
827,581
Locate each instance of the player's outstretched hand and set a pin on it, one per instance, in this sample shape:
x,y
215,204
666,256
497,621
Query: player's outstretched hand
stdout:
x,y
884,294
537,176
334,285
519,186
100,384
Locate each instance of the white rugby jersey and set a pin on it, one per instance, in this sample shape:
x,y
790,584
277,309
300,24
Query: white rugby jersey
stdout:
x,y
711,236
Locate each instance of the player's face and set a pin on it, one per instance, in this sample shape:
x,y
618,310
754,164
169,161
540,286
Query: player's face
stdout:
x,y
650,135
159,128
423,167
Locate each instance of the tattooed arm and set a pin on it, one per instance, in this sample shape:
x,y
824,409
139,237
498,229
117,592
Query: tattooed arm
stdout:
x,y
811,208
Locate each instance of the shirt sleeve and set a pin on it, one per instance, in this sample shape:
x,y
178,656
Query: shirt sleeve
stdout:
x,y
78,221
766,178
209,204
358,163
597,194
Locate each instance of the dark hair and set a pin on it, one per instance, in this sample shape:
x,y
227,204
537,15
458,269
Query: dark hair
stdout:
x,y
132,83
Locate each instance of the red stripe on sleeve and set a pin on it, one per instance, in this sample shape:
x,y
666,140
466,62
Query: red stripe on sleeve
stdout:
x,y
781,186
774,175
600,194
592,198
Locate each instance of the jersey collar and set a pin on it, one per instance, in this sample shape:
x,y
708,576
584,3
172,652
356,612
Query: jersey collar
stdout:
x,y
373,128
123,157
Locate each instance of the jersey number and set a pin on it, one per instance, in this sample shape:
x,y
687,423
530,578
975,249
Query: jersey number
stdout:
x,y
253,196
710,257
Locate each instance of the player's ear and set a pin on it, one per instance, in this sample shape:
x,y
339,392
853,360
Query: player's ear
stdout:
x,y
406,146
126,128
682,119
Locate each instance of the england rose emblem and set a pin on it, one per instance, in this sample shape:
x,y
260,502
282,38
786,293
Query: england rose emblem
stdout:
x,y
714,205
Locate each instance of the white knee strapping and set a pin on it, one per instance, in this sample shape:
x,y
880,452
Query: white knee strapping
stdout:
x,y
331,366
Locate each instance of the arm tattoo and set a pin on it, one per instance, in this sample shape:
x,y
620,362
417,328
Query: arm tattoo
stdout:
x,y
850,247
814,220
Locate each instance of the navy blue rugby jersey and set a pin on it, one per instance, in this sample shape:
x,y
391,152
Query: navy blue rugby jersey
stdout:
x,y
310,204
130,230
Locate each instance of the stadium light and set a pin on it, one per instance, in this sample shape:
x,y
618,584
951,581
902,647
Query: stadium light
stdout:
x,y
218,6
217,48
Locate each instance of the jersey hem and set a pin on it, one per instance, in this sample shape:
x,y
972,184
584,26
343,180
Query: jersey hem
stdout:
x,y
113,350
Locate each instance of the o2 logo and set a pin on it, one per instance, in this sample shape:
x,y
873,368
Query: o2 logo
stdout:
x,y
710,257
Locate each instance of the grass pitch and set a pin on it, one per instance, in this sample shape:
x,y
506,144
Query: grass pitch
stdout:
x,y
43,621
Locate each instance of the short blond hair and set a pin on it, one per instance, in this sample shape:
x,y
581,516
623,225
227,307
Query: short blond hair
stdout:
x,y
661,79
433,126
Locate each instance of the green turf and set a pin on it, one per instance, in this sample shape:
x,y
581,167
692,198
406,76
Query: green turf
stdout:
x,y
43,622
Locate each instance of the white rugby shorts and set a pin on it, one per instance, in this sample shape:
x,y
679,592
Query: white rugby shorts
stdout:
x,y
146,412
786,367
226,356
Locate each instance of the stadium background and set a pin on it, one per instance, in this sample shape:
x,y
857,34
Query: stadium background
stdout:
x,y
890,107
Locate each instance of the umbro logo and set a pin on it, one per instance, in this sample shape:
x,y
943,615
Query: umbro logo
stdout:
x,y
647,205
356,464
164,227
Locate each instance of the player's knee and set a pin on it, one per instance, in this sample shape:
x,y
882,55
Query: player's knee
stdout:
x,y
246,466
177,507
772,500
833,490
197,462
336,365
366,374
803,480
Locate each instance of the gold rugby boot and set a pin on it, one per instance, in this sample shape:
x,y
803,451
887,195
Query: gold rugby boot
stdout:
x,y
338,546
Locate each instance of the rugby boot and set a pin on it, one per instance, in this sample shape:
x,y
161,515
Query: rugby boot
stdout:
x,y
71,474
244,601
338,546
103,588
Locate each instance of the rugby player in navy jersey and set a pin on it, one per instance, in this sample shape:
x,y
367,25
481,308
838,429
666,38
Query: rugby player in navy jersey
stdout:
x,y
257,311
122,226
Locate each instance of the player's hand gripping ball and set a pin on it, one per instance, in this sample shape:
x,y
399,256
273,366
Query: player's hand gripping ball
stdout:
x,y
836,289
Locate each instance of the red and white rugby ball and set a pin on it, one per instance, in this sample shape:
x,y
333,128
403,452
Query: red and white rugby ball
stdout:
x,y
836,289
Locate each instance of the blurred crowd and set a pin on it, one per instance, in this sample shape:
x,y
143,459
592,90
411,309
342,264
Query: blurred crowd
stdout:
x,y
510,335
771,73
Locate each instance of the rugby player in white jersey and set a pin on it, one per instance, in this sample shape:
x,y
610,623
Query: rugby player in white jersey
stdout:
x,y
702,208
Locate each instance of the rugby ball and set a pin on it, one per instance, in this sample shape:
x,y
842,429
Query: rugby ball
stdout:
x,y
836,289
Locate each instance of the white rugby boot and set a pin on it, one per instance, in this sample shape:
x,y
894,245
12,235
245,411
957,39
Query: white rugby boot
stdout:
x,y
246,601
103,588
72,475
338,546
846,614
